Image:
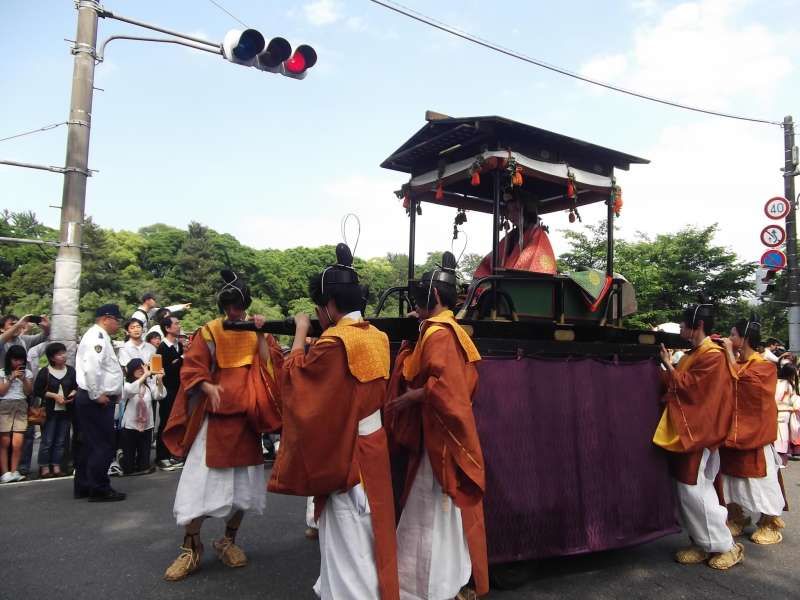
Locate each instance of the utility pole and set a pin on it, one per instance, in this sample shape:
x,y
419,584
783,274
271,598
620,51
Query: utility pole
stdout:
x,y
789,172
66,284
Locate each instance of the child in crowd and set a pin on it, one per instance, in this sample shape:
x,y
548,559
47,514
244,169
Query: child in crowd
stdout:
x,y
56,385
141,389
16,384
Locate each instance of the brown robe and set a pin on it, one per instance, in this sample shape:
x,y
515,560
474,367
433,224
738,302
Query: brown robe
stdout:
x,y
321,451
754,418
249,405
444,423
699,403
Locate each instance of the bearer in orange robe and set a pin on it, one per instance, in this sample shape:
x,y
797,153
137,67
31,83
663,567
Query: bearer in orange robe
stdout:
x,y
535,254
696,421
333,444
749,463
441,540
227,398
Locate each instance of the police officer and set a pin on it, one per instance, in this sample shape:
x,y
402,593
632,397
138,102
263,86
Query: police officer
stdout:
x,y
99,388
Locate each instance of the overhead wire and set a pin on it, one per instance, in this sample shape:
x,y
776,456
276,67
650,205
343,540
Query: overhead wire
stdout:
x,y
32,131
229,13
442,26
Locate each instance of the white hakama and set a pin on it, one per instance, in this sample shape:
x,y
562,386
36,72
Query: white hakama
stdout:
x,y
432,554
209,492
346,547
758,495
311,522
700,511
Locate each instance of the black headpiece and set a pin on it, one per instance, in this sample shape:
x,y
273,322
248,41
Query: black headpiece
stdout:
x,y
702,311
234,291
752,326
340,273
443,275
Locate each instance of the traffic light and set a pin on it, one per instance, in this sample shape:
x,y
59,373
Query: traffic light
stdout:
x,y
249,48
765,281
242,47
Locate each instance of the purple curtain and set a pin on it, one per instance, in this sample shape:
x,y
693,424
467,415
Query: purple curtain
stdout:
x,y
570,466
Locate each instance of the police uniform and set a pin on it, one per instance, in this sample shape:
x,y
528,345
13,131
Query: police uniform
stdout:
x,y
98,372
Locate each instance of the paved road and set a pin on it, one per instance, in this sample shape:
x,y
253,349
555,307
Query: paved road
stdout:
x,y
56,547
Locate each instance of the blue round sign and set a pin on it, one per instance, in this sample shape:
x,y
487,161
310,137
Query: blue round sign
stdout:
x,y
773,259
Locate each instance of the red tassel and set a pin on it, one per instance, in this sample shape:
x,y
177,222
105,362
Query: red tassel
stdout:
x,y
571,216
570,189
516,178
476,178
617,200
406,202
439,191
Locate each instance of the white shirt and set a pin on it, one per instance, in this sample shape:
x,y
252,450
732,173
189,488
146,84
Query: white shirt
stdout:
x,y
769,355
143,351
96,366
149,392
15,392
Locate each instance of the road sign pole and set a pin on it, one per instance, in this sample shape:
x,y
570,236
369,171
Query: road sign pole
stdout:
x,y
791,233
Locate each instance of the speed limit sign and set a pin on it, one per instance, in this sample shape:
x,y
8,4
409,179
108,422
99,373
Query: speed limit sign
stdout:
x,y
773,236
777,208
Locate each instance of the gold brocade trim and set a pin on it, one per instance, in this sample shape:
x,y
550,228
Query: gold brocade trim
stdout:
x,y
232,348
412,364
455,439
367,348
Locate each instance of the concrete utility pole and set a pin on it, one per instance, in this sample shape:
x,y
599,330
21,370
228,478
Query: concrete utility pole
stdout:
x,y
789,172
66,285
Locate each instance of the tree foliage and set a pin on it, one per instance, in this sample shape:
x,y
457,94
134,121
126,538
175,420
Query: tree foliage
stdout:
x,y
667,271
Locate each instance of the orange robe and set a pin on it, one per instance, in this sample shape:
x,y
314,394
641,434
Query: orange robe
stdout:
x,y
699,402
325,393
754,418
537,254
443,425
250,401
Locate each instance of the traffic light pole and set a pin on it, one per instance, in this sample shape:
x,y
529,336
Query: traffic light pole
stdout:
x,y
66,284
790,164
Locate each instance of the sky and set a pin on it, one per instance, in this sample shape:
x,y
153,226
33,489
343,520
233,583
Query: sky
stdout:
x,y
180,135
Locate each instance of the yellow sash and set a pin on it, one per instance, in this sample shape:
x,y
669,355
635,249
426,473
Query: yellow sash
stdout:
x,y
444,319
367,349
232,348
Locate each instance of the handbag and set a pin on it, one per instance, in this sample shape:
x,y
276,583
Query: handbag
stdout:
x,y
37,415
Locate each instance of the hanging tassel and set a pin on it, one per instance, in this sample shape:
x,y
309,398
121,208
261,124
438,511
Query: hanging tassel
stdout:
x,y
516,178
617,200
570,188
571,215
439,191
476,179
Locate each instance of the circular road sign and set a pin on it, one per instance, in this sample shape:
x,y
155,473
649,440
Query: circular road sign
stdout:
x,y
773,236
777,208
773,259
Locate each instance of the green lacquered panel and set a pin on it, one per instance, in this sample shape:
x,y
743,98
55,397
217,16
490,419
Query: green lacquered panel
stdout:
x,y
575,306
532,297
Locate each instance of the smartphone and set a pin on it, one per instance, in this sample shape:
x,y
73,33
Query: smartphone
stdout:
x,y
35,319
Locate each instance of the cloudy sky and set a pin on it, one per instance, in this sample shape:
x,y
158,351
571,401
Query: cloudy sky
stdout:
x,y
180,135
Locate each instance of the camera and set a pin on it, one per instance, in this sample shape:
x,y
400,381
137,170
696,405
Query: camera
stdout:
x,y
35,319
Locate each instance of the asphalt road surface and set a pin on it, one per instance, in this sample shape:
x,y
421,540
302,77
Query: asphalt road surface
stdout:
x,y
56,547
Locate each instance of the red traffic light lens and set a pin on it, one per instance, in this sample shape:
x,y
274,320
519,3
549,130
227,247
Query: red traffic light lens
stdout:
x,y
303,58
296,64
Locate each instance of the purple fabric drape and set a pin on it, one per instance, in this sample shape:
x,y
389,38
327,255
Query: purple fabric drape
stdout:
x,y
570,466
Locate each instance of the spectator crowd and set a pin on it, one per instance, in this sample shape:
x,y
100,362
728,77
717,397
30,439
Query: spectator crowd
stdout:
x,y
43,398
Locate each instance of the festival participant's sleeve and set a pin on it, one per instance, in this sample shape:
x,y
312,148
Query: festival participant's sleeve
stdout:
x,y
196,365
446,385
320,417
708,372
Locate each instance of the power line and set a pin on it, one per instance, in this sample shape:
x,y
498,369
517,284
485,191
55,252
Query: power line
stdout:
x,y
229,13
32,131
418,16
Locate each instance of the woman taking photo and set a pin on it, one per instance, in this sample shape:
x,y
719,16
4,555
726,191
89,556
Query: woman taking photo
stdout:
x,y
56,386
15,387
